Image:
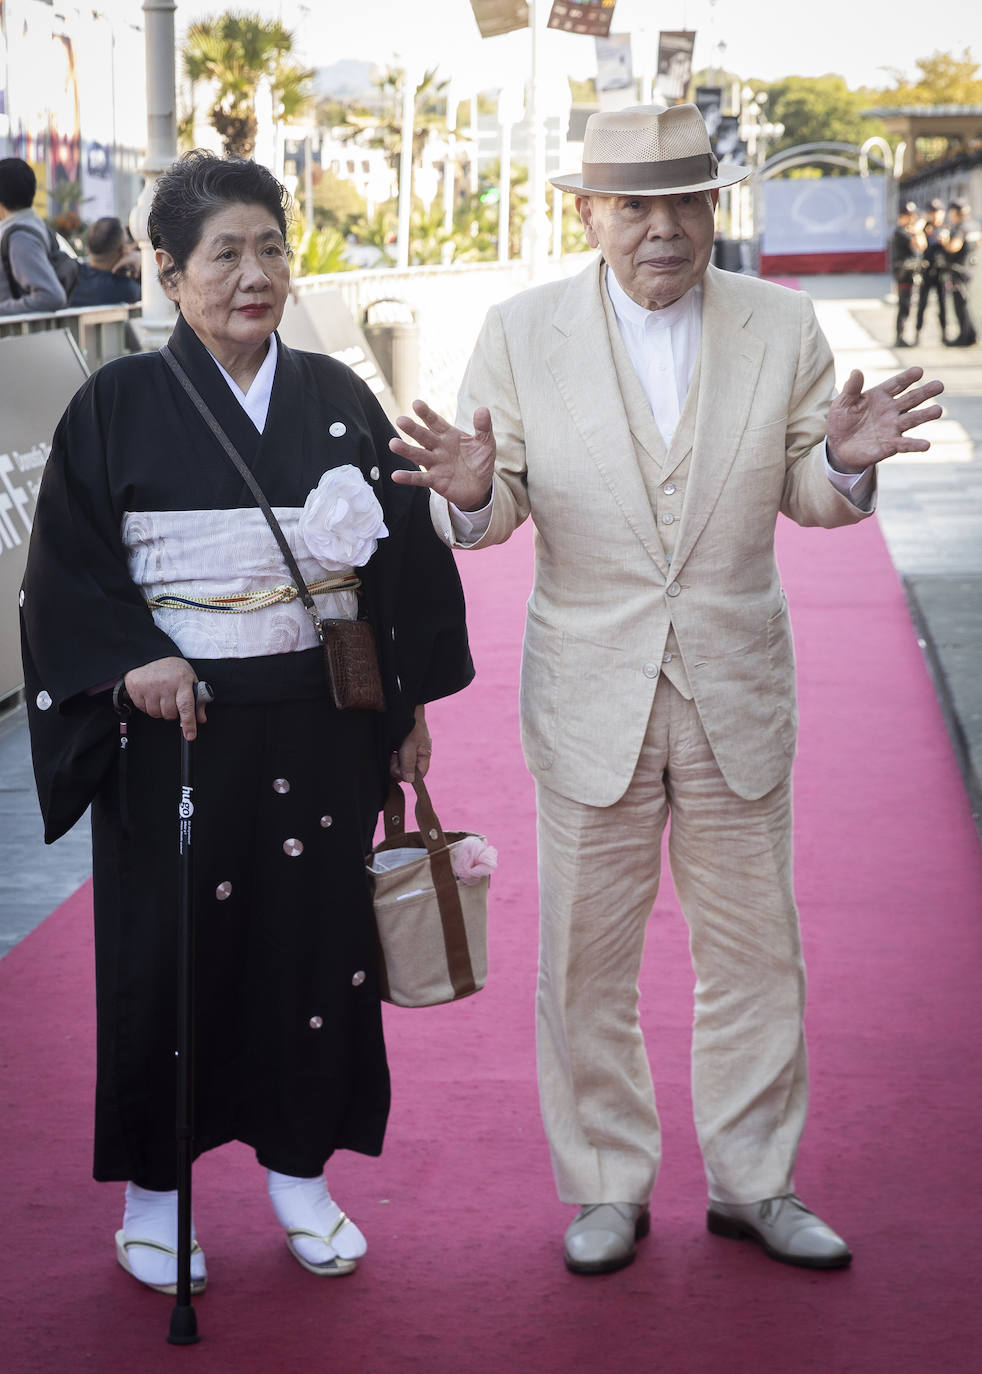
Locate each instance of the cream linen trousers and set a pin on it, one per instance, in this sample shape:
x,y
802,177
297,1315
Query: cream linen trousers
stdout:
x,y
599,870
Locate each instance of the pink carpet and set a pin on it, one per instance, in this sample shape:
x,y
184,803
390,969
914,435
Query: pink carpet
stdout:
x,y
464,1273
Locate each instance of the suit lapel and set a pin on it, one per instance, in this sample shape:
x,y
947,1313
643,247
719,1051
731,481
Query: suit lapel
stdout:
x,y
730,361
582,364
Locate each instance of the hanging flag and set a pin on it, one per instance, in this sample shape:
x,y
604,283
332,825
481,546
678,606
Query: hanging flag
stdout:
x,y
582,16
500,16
728,145
615,74
709,100
674,64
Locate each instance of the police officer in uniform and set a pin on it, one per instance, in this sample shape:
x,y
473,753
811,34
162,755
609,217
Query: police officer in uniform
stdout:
x,y
905,264
960,249
934,271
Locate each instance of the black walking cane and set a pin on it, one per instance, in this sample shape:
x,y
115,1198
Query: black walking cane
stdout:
x,y
183,1320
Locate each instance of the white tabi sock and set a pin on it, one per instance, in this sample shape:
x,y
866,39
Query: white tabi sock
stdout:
x,y
306,1204
151,1215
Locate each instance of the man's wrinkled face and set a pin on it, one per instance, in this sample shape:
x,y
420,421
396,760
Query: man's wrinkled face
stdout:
x,y
656,246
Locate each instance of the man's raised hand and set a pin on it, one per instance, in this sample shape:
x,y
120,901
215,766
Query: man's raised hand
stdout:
x,y
864,427
458,465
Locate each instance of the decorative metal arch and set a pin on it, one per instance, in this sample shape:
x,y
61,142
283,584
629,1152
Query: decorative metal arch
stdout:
x,y
853,157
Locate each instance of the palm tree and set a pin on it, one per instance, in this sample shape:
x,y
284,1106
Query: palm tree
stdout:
x,y
237,51
382,128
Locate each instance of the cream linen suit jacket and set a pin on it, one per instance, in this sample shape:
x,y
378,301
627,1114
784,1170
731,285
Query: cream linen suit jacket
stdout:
x,y
604,596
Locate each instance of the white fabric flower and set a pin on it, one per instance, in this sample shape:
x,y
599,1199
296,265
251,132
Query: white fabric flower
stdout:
x,y
341,521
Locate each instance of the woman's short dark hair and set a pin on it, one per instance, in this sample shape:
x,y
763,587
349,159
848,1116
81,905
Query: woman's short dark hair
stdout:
x,y
196,187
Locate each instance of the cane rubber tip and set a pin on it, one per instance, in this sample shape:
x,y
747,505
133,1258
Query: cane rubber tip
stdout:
x,y
183,1326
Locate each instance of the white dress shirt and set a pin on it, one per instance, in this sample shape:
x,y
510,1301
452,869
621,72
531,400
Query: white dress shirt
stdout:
x,y
663,346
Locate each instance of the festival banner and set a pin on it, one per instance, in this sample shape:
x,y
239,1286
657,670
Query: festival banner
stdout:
x,y
674,64
589,17
615,73
500,16
727,145
709,101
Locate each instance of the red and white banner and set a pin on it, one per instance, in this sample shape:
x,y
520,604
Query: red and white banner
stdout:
x,y
824,224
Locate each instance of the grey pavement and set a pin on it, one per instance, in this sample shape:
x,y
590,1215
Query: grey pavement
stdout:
x,y
930,505
930,509
34,877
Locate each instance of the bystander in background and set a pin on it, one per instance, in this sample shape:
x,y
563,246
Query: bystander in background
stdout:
x,y
111,276
905,263
28,280
960,250
933,271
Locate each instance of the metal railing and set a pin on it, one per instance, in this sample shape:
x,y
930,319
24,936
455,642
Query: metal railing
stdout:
x,y
448,303
101,331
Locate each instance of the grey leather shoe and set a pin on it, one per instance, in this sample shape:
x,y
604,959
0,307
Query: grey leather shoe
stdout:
x,y
603,1236
784,1228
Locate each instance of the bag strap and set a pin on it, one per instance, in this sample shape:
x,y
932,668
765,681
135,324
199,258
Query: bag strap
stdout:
x,y
50,243
444,881
245,472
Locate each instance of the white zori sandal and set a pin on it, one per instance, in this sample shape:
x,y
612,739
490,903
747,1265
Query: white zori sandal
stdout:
x,y
125,1243
329,1268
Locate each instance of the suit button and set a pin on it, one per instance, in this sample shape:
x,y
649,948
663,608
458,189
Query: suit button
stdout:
x,y
673,589
668,518
669,489
650,670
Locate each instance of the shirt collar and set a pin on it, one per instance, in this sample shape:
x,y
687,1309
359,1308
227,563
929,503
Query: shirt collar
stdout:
x,y
629,312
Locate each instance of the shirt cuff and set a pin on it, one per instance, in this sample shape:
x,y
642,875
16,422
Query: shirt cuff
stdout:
x,y
857,487
470,525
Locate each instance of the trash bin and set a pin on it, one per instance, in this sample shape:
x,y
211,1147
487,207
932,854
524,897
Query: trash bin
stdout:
x,y
392,334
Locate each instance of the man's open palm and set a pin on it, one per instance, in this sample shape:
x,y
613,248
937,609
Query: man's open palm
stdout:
x,y
458,465
864,427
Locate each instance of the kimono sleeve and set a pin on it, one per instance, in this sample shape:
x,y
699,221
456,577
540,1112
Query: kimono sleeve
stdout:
x,y
418,599
83,621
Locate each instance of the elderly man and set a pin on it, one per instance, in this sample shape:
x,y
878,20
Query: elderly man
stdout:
x,y
653,415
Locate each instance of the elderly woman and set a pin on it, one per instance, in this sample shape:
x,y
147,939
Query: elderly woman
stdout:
x,y
150,564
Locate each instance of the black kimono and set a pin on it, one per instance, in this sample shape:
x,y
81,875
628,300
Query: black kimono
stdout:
x,y
290,1056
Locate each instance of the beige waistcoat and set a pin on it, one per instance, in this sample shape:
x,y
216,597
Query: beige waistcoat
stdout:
x,y
665,472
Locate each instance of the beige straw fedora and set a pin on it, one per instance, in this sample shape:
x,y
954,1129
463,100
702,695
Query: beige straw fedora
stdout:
x,y
646,150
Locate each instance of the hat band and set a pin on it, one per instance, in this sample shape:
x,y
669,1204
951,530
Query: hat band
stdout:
x,y
626,177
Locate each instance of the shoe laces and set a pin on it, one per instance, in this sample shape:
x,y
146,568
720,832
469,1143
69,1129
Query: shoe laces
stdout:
x,y
770,1207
